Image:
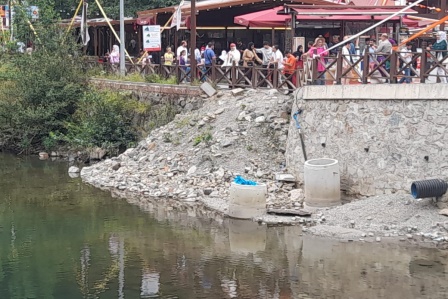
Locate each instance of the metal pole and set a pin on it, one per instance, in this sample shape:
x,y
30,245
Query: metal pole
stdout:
x,y
293,29
122,40
442,14
193,40
10,21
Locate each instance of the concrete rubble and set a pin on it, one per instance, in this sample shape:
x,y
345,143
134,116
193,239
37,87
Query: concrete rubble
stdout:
x,y
194,159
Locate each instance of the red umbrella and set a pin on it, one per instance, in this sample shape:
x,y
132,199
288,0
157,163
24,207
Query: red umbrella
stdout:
x,y
264,18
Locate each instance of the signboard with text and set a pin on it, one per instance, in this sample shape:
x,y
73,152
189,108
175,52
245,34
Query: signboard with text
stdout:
x,y
4,16
152,38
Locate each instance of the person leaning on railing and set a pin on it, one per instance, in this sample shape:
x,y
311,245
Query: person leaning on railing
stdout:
x,y
290,66
318,51
406,55
168,57
440,45
384,48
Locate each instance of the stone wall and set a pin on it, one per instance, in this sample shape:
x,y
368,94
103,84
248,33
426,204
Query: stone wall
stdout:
x,y
149,88
382,145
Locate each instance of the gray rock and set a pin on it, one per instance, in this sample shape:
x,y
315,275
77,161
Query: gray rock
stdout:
x,y
208,191
242,115
116,166
237,91
219,111
226,143
284,177
208,89
192,170
296,195
260,119
73,169
97,153
378,239
220,173
43,155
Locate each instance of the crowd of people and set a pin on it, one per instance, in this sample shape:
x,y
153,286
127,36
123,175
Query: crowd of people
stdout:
x,y
271,56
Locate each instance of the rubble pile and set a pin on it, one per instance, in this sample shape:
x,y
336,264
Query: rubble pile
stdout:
x,y
196,157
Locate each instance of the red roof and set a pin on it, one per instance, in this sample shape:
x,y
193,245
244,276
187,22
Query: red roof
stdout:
x,y
372,2
270,18
264,18
349,10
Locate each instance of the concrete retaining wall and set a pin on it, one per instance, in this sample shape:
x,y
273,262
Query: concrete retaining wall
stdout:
x,y
377,92
141,87
384,136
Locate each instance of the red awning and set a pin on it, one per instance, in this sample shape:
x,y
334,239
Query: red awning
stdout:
x,y
149,20
349,10
270,18
264,18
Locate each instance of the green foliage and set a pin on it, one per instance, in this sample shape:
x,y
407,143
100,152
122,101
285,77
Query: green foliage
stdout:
x,y
205,137
182,122
44,97
103,119
38,94
156,78
159,116
111,7
133,77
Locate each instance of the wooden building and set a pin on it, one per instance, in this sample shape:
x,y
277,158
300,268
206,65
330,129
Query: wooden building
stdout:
x,y
215,22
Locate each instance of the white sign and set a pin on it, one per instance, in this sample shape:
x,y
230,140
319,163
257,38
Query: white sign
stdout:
x,y
151,38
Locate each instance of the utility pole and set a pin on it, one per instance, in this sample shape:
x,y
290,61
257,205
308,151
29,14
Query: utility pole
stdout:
x,y
193,40
122,40
442,13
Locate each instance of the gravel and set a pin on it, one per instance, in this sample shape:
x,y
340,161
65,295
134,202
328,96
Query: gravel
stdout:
x,y
383,216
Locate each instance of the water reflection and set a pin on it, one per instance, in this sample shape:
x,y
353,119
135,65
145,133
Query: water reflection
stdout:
x,y
246,237
62,239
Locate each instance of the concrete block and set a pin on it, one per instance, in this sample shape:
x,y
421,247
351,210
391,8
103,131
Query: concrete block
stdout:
x,y
237,91
284,177
208,89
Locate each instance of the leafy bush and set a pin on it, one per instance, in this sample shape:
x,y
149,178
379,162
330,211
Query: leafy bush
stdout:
x,y
156,78
39,94
103,119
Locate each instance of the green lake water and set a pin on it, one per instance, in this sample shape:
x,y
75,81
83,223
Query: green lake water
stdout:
x,y
60,238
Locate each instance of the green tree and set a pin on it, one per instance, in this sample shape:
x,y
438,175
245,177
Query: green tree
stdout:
x,y
111,7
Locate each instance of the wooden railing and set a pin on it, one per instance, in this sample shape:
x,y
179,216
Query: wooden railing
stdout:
x,y
375,68
344,69
232,76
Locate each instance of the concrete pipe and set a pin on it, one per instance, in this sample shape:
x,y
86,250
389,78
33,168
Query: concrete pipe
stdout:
x,y
322,183
247,201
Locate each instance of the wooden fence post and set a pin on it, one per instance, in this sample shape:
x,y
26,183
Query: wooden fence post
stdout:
x,y
275,76
254,76
393,66
213,71
423,62
339,69
314,71
233,75
366,66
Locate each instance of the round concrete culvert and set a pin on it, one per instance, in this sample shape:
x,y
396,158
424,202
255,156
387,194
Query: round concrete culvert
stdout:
x,y
322,182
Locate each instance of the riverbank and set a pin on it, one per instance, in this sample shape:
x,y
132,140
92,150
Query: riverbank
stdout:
x,y
194,159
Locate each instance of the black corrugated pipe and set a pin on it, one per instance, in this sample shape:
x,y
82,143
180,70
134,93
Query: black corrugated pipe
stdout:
x,y
429,188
